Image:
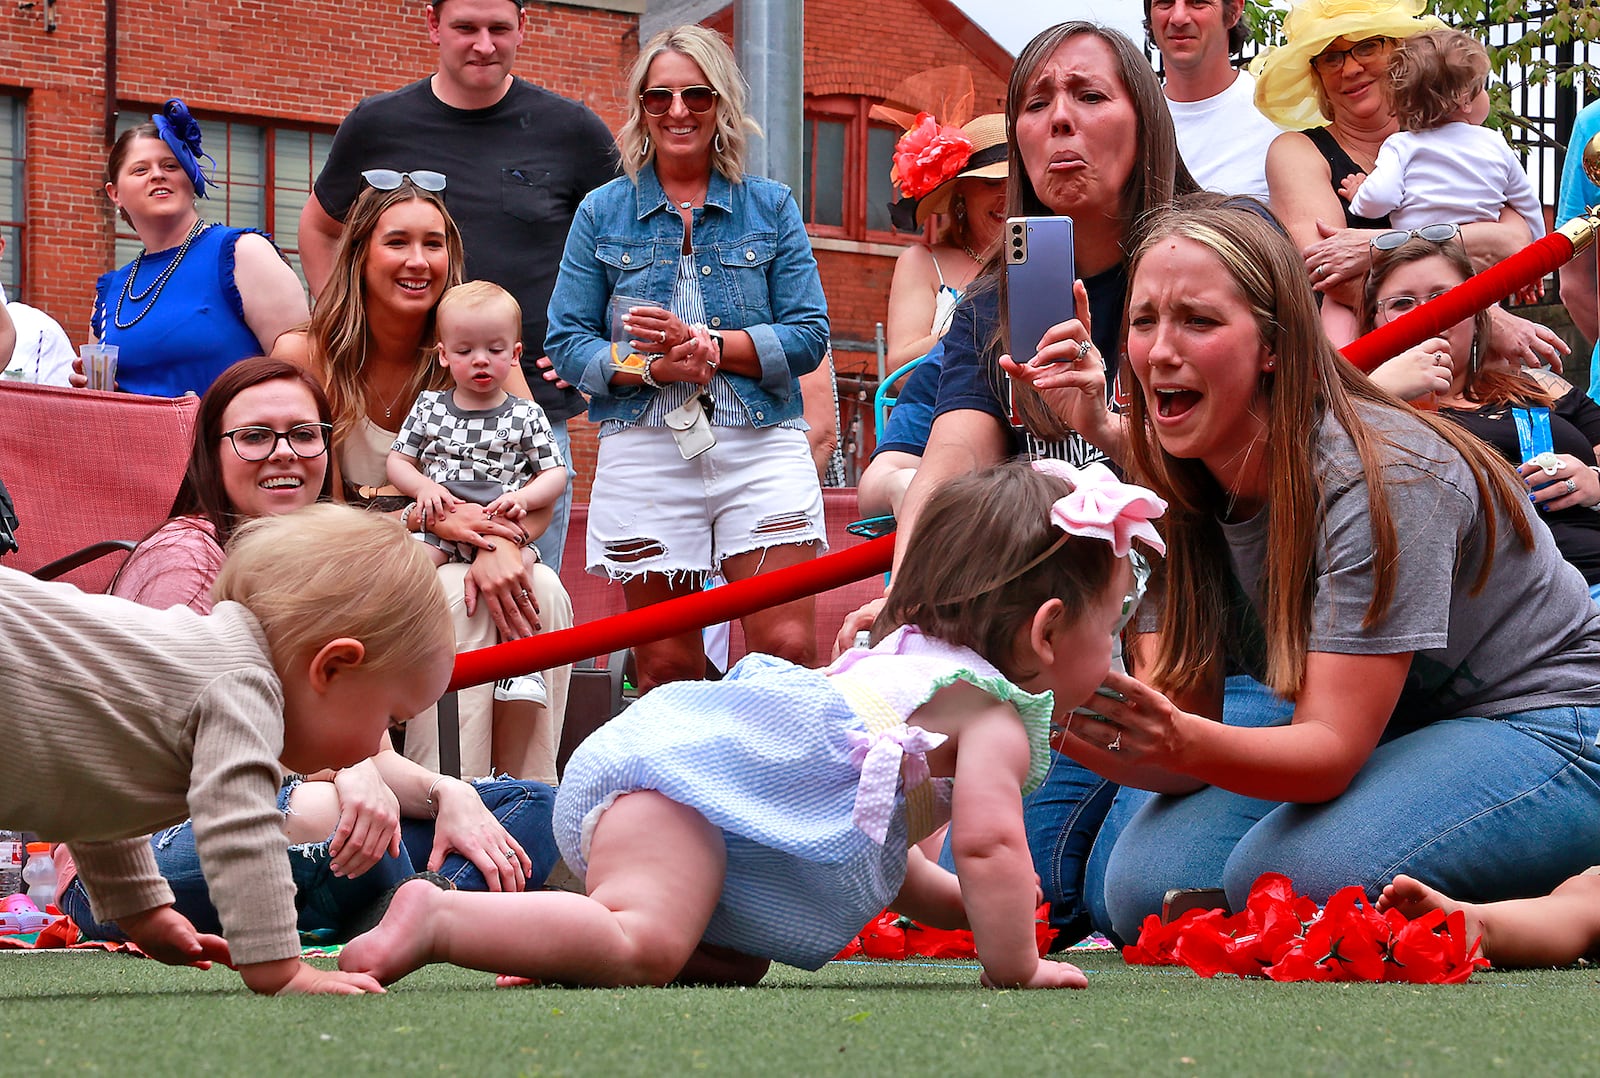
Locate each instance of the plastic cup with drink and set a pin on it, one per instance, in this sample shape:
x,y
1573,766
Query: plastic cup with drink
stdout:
x,y
623,357
99,365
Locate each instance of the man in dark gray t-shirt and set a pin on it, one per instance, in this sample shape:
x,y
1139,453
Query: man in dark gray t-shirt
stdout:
x,y
517,158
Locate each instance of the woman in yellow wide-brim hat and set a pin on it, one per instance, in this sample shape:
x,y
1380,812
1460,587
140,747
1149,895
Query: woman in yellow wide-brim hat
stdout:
x,y
1328,83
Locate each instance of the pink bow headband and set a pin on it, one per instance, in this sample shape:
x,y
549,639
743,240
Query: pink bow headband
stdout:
x,y
1101,506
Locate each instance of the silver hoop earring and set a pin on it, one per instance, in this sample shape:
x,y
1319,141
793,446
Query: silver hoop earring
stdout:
x,y
644,150
716,143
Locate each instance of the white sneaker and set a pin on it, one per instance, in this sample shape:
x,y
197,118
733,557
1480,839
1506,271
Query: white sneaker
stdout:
x,y
526,687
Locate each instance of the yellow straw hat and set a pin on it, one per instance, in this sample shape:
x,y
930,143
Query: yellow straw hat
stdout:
x,y
988,162
1286,86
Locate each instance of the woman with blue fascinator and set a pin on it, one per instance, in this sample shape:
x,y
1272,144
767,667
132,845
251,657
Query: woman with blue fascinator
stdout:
x,y
199,296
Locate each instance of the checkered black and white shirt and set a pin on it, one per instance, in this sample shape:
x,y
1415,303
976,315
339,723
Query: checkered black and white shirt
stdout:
x,y
506,446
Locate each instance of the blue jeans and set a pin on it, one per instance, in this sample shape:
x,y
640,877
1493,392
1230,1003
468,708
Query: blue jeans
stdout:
x,y
1246,702
1484,809
554,540
1062,818
330,905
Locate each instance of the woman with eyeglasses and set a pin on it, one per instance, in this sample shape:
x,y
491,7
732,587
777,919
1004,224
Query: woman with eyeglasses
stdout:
x,y
1378,567
261,449
199,295
373,343
1535,419
703,464
1326,86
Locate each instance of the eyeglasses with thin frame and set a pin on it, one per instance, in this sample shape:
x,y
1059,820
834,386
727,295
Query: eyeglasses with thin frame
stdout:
x,y
1392,307
253,444
657,100
1331,60
1392,241
387,179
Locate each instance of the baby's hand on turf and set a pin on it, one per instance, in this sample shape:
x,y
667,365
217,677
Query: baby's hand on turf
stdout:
x,y
292,977
1047,974
507,980
167,936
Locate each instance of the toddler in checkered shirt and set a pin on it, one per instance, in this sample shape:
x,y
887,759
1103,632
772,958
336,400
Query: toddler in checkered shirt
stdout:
x,y
477,443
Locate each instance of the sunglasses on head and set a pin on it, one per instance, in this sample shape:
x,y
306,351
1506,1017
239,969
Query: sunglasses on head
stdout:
x,y
1441,233
658,99
387,179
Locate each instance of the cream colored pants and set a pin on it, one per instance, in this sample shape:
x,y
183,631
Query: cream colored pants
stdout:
x,y
515,738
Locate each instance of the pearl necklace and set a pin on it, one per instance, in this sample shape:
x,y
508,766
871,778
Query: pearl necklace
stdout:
x,y
153,292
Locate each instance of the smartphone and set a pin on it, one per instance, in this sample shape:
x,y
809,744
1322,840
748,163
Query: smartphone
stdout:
x,y
1040,269
1180,901
871,527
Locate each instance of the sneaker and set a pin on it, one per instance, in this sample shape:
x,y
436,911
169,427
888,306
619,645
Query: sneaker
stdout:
x,y
526,687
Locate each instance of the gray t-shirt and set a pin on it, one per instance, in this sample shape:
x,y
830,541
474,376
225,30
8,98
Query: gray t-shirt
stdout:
x,y
1529,639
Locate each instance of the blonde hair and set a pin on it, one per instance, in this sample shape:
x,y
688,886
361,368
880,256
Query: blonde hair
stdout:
x,y
1434,73
328,571
482,296
1310,380
715,60
338,333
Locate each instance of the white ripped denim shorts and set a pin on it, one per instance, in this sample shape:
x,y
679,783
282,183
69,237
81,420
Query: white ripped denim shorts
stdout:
x,y
651,511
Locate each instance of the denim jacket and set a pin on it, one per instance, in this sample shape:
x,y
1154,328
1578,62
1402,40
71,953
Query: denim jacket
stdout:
x,y
757,274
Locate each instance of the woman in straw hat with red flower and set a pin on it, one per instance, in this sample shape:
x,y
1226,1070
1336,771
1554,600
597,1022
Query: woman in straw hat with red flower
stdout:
x,y
957,175
1327,86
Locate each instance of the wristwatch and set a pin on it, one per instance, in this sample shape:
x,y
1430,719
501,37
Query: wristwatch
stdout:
x,y
716,339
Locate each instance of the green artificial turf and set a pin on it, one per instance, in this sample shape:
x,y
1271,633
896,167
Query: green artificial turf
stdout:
x,y
105,1014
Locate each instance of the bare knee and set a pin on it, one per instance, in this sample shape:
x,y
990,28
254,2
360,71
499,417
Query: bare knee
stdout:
x,y
792,637
668,661
312,812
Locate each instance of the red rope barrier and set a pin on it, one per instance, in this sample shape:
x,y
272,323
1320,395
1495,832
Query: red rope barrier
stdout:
x,y
735,600
1461,302
674,616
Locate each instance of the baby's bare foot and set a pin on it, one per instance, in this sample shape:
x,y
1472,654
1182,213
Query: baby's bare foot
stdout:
x,y
401,942
1414,898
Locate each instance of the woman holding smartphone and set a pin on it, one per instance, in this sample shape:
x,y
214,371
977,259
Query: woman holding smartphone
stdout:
x,y
1091,139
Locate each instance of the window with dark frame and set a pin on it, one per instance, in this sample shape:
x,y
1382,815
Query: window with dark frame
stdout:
x,y
263,177
13,207
847,161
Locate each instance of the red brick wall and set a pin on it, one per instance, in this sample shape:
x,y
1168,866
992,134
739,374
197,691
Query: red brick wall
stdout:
x,y
306,62
310,62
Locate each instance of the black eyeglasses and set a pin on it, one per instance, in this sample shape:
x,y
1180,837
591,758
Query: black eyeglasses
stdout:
x,y
1332,60
387,179
253,444
658,99
1440,233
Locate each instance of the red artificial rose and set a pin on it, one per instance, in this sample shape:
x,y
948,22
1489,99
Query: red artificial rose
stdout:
x,y
1156,941
1285,937
1433,950
929,154
883,937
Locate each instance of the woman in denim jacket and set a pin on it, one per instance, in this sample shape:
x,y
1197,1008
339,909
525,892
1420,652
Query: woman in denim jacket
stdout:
x,y
708,273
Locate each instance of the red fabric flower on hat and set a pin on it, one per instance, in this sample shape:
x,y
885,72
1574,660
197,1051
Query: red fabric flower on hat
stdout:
x,y
929,154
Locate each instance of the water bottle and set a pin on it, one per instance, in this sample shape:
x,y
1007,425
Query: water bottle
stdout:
x,y
10,863
40,875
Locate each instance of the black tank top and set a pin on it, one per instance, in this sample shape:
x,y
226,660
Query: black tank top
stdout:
x,y
1341,165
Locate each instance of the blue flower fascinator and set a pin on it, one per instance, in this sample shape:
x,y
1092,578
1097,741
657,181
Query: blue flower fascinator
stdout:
x,y
181,132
